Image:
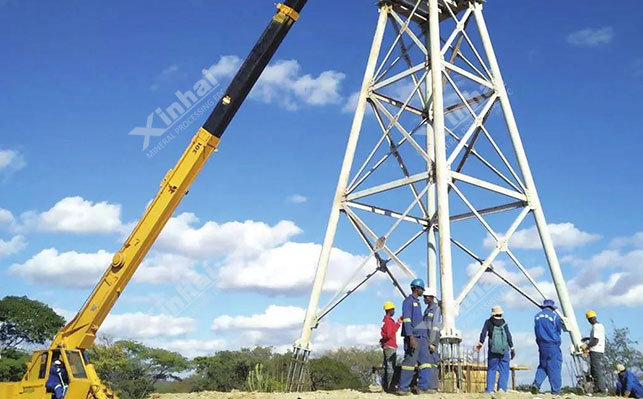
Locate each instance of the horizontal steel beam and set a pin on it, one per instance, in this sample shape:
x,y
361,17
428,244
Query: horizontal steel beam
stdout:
x,y
398,104
488,186
386,212
488,211
421,15
388,186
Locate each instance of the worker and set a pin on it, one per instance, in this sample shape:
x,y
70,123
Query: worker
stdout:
x,y
501,349
388,342
627,384
57,381
548,327
416,348
432,320
596,349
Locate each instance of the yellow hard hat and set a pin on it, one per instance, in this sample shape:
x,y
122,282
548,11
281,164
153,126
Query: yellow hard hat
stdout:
x,y
389,305
590,313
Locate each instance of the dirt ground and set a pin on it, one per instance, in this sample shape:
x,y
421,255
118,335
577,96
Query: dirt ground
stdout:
x,y
348,394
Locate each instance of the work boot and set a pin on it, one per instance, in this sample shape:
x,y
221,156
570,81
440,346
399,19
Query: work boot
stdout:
x,y
403,393
534,390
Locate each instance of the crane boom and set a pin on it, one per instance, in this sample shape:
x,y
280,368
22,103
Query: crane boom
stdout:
x,y
80,333
71,341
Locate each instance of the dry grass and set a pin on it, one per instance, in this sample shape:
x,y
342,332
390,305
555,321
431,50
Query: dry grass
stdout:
x,y
348,394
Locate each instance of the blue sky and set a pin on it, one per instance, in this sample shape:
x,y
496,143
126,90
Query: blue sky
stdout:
x,y
77,78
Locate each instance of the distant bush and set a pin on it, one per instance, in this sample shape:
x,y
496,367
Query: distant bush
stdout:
x,y
133,370
329,374
13,364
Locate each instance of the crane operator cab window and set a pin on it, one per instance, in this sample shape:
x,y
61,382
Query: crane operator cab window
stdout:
x,y
76,364
42,369
38,367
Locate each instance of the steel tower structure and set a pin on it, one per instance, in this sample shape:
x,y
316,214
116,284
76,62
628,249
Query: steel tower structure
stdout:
x,y
432,72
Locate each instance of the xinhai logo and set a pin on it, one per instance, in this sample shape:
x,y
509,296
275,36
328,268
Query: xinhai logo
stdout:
x,y
173,113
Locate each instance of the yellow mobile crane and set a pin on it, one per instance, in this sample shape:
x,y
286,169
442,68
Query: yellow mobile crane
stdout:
x,y
71,341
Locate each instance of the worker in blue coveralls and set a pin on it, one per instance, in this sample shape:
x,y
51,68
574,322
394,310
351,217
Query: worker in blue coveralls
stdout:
x,y
548,326
416,348
628,384
57,381
432,320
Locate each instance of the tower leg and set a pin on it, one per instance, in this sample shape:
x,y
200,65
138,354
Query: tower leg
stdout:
x,y
450,338
532,195
432,274
302,345
442,176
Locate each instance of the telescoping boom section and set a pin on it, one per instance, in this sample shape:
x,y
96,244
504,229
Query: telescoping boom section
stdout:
x,y
79,334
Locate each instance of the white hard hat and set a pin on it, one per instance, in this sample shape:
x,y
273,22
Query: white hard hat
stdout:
x,y
58,362
429,292
496,310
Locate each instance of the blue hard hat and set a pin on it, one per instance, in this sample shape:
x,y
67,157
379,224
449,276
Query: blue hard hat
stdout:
x,y
418,282
549,303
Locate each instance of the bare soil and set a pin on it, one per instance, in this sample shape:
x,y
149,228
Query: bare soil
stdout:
x,y
349,394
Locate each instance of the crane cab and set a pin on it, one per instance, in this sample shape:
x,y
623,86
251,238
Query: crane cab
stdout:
x,y
32,386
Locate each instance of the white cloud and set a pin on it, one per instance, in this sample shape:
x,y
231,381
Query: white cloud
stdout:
x,y
279,326
6,219
165,76
233,255
83,270
288,269
274,318
244,239
151,298
297,199
564,235
12,246
255,255
66,269
511,272
162,268
351,104
75,215
331,336
142,326
635,240
192,347
139,325
283,83
10,162
226,67
11,159
590,37
609,278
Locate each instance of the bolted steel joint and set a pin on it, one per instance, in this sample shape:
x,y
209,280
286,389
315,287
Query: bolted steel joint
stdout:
x,y
118,260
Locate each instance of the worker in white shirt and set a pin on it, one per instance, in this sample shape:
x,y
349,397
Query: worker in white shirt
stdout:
x,y
596,348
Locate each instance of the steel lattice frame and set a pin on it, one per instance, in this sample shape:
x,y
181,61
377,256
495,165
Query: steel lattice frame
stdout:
x,y
421,29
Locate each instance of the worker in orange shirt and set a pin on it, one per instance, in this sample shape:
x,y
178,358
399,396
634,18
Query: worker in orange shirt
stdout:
x,y
389,345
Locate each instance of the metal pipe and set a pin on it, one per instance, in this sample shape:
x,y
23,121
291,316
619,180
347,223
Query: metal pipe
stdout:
x,y
431,261
322,265
333,305
494,253
532,195
441,173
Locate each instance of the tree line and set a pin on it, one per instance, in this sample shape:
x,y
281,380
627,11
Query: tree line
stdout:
x,y
134,370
